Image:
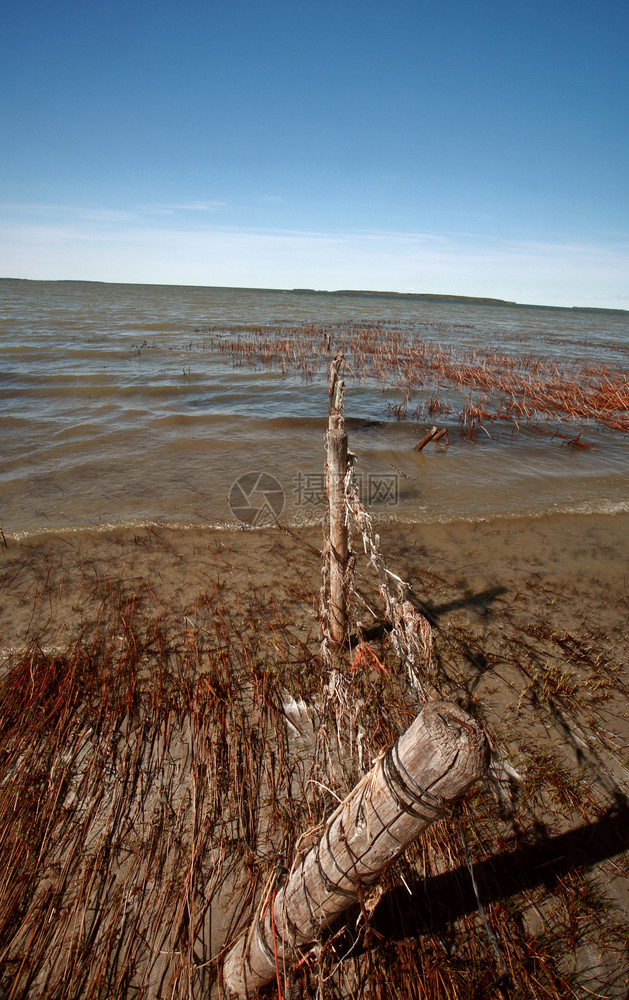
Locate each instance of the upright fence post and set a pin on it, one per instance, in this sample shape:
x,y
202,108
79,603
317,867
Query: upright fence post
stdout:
x,y
337,547
429,767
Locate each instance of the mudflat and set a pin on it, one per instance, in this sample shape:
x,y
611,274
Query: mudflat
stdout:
x,y
567,569
149,781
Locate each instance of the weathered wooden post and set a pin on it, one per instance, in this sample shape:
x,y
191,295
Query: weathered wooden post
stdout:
x,y
337,544
429,767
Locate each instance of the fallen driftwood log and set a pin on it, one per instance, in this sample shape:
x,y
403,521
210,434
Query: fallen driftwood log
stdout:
x,y
432,435
429,767
424,441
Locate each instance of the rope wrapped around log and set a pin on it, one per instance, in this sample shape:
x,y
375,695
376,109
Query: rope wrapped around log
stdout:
x,y
415,783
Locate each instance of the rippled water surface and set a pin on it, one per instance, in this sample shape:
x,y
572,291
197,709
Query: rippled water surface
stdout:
x,y
119,404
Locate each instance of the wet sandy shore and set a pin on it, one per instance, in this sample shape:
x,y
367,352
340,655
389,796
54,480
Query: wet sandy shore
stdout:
x,y
566,569
529,622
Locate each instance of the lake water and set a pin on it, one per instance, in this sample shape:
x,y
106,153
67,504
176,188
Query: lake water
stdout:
x,y
123,405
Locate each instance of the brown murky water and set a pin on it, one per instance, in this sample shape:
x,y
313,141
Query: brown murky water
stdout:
x,y
121,406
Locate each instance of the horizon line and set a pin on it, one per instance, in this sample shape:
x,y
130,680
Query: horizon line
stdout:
x,y
373,293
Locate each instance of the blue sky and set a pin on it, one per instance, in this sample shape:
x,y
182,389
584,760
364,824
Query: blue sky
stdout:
x,y
473,148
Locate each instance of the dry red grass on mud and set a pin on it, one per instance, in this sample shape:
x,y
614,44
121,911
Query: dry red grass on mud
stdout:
x,y
149,788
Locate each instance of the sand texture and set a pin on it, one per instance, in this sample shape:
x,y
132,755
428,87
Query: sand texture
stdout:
x,y
151,788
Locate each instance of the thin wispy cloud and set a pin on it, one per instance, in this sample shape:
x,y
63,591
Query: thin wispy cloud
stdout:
x,y
104,213
90,213
194,206
551,272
